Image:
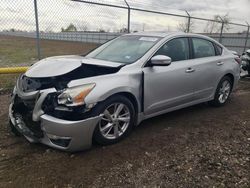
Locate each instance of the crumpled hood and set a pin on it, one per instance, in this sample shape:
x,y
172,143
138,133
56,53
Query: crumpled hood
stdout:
x,y
54,66
60,65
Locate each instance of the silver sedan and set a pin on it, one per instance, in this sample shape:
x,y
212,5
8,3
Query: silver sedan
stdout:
x,y
67,102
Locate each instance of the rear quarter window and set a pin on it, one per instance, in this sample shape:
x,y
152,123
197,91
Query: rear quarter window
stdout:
x,y
203,48
218,49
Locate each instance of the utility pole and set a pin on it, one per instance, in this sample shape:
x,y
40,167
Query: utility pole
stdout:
x,y
128,26
247,35
222,28
189,22
37,31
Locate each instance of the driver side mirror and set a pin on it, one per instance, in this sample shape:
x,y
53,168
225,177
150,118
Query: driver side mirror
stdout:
x,y
161,60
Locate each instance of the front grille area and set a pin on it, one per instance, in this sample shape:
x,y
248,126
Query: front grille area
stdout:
x,y
51,107
24,109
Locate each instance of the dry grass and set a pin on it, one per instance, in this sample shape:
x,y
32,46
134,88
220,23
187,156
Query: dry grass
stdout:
x,y
7,82
20,51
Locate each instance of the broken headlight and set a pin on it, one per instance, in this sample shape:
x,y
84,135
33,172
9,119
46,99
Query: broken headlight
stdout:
x,y
75,96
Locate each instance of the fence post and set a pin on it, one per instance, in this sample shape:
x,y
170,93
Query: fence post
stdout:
x,y
37,31
189,22
248,27
128,26
221,30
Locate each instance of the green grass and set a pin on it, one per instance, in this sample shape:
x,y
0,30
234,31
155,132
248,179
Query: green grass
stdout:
x,y
15,51
21,51
7,81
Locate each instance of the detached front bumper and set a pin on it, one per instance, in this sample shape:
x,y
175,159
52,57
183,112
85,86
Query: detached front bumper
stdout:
x,y
58,133
77,133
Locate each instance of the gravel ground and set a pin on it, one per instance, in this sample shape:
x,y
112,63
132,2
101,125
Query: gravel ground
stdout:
x,y
199,146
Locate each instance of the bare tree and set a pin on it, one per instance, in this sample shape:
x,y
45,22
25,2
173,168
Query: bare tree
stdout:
x,y
183,26
71,27
215,26
123,30
101,30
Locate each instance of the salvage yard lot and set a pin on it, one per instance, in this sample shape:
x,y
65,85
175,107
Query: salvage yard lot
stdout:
x,y
199,146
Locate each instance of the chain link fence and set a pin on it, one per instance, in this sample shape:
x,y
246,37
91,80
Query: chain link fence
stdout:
x,y
34,29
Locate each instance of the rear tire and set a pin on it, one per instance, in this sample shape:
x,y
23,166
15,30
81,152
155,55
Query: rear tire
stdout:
x,y
117,121
223,92
248,72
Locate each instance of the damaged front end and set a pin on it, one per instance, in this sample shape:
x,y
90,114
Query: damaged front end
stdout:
x,y
44,110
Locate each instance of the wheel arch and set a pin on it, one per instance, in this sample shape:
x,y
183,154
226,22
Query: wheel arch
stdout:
x,y
214,101
231,76
228,74
131,97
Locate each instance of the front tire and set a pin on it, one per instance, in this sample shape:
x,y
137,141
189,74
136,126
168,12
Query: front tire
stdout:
x,y
13,129
223,92
117,121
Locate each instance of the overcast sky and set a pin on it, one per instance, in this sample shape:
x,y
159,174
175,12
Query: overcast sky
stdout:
x,y
53,15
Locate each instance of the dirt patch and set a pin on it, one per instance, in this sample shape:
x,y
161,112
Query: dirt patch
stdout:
x,y
199,146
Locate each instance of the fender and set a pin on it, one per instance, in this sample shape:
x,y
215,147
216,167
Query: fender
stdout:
x,y
108,85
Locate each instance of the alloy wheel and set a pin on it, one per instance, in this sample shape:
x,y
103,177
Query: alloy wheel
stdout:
x,y
224,91
115,121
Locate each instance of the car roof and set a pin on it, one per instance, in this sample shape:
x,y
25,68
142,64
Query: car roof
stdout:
x,y
153,33
166,34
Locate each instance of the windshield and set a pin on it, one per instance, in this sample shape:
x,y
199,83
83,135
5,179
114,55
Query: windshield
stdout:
x,y
125,49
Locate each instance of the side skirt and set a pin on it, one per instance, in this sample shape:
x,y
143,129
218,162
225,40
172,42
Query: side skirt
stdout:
x,y
142,116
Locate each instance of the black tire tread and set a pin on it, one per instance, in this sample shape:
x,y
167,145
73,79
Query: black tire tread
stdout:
x,y
13,129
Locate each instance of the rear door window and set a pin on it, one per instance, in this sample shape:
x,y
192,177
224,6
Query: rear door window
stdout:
x,y
203,48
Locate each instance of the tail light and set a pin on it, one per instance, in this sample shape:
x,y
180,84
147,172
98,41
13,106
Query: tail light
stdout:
x,y
238,60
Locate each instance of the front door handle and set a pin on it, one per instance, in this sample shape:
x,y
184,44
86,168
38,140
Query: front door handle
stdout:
x,y
220,63
189,70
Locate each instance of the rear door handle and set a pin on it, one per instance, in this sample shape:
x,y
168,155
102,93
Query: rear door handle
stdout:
x,y
220,63
189,70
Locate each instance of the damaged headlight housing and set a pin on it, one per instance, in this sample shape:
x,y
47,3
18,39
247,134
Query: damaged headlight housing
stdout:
x,y
75,96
